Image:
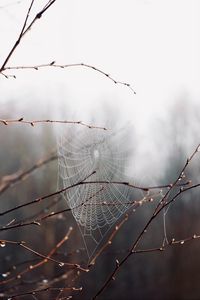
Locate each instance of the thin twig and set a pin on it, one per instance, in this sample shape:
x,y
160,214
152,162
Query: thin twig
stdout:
x,y
173,242
25,29
45,197
38,221
19,38
161,205
83,182
9,180
109,240
45,258
34,122
54,65
35,292
40,263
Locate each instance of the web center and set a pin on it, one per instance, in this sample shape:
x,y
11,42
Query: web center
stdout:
x,y
96,154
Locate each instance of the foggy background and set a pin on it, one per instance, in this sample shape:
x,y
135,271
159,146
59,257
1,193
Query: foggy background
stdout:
x,y
154,46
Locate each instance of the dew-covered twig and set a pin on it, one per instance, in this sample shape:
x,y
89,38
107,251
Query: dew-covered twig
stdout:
x,y
161,205
36,265
34,122
83,182
39,291
109,240
53,64
45,258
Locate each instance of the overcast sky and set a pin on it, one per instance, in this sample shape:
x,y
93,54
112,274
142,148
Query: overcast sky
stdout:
x,y
152,44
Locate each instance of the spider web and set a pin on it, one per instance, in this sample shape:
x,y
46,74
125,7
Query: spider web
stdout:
x,y
95,206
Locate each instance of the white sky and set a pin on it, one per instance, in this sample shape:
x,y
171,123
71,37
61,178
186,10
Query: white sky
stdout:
x,y
152,44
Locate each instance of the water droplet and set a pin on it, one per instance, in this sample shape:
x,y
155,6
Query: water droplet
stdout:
x,y
182,242
61,264
2,244
45,281
4,275
194,236
36,223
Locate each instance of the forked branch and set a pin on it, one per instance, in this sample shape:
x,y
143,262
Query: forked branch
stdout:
x,y
25,29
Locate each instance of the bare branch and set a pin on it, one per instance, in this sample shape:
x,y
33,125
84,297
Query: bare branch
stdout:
x,y
82,182
45,197
35,292
25,29
9,180
109,241
135,204
45,258
19,38
161,205
54,65
34,122
40,263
